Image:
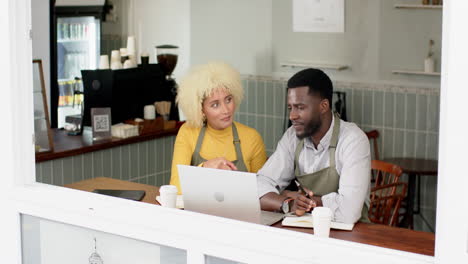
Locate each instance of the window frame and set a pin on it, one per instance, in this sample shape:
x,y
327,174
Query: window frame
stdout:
x,y
198,233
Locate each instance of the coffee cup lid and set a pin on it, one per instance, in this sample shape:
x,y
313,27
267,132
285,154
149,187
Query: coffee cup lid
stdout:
x,y
168,188
322,211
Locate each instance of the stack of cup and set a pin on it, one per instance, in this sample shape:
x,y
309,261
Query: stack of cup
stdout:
x,y
322,220
104,62
131,51
149,112
116,64
123,55
168,194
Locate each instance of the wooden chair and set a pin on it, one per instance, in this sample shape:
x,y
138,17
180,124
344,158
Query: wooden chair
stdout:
x,y
385,203
373,135
384,172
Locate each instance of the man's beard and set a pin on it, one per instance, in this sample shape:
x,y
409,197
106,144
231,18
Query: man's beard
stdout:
x,y
310,128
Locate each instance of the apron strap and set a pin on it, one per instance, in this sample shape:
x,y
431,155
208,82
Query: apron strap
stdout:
x,y
299,147
201,136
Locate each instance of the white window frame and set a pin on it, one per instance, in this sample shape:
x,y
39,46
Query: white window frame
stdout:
x,y
201,234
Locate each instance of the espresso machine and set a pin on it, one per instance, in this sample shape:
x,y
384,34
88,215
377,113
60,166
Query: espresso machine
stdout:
x,y
166,56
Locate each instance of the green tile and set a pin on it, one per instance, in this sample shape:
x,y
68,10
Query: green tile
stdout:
x,y
260,98
107,163
38,170
159,148
159,179
57,172
378,117
389,109
88,166
251,121
116,169
279,99
433,114
357,107
46,172
432,146
269,98
367,101
421,145
243,119
152,180
411,111
421,122
261,126
97,163
143,180
387,146
399,144
77,168
410,144
143,158
134,168
278,128
269,136
67,170
400,111
251,99
125,162
151,157
243,105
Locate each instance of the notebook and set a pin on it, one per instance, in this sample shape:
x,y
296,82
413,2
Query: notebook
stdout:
x,y
306,221
231,194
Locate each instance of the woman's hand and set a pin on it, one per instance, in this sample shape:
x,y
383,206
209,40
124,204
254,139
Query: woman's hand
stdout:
x,y
219,163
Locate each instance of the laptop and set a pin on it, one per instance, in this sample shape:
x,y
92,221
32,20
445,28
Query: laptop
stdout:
x,y
230,194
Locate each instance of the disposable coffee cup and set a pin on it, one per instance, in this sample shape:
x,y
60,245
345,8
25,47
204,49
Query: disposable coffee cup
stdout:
x,y
144,58
104,62
322,220
168,195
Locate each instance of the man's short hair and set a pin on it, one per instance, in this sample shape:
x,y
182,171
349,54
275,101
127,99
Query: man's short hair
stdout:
x,y
318,82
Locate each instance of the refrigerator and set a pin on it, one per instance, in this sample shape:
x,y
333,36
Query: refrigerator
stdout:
x,y
76,37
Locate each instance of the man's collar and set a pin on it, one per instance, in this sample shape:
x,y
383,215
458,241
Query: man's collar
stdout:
x,y
325,141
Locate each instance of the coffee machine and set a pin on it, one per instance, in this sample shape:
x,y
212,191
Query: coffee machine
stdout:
x,y
166,56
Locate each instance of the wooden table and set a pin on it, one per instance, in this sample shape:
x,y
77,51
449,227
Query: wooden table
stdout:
x,y
415,168
371,234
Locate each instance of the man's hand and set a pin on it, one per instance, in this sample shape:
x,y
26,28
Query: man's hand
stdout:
x,y
219,163
303,202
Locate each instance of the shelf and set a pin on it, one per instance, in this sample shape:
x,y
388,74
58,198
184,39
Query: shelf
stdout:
x,y
338,67
418,6
408,72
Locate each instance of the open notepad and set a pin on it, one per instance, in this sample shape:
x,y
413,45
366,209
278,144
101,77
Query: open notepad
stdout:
x,y
179,201
306,221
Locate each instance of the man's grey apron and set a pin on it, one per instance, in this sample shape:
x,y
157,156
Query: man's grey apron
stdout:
x,y
239,162
326,180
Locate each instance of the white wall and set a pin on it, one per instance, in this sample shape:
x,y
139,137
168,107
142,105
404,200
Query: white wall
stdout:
x,y
238,32
41,38
157,22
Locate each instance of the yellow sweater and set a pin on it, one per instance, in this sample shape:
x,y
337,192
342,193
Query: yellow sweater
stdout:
x,y
217,143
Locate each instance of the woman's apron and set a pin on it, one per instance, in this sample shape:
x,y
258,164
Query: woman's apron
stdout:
x,y
239,162
326,180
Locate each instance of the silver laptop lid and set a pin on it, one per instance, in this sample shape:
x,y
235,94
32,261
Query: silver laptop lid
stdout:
x,y
231,194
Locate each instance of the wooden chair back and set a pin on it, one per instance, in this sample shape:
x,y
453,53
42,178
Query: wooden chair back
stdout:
x,y
373,135
385,173
385,203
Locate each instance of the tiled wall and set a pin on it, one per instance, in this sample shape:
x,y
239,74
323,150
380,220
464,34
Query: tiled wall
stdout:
x,y
406,117
111,42
146,162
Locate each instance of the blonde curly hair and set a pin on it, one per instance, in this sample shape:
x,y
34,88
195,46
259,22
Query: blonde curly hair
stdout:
x,y
200,83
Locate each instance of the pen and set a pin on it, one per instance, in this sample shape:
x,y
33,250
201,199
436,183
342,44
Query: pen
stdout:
x,y
301,188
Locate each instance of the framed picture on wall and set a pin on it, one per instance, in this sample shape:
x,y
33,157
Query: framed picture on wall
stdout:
x,y
101,123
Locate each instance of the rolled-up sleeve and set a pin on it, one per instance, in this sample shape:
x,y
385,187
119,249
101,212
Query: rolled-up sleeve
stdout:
x,y
354,184
278,171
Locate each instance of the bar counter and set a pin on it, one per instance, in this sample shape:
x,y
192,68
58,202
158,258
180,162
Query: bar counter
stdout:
x,y
67,146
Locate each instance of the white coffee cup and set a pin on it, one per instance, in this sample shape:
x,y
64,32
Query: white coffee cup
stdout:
x,y
104,62
322,220
149,112
168,195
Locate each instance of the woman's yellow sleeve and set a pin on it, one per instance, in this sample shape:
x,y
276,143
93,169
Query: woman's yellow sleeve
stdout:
x,y
183,151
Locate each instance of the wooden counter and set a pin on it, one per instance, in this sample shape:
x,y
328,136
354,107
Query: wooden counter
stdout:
x,y
66,146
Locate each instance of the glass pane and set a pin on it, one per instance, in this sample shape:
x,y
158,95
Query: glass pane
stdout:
x,y
41,134
215,260
49,242
38,106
